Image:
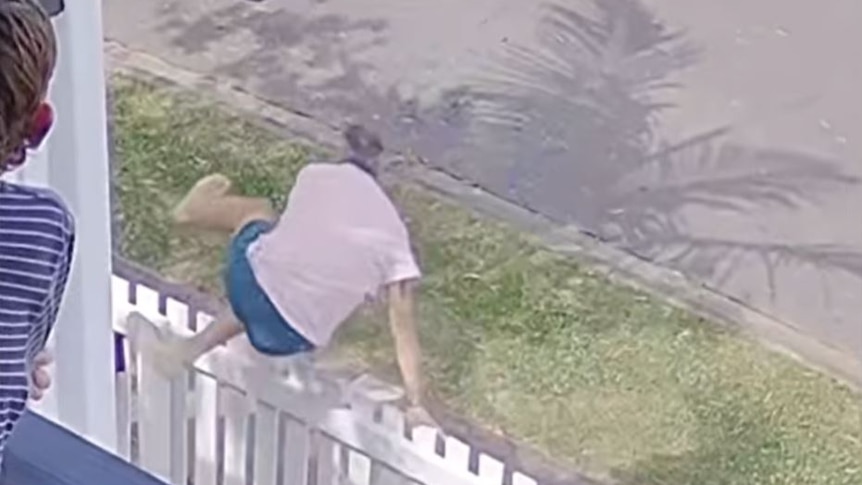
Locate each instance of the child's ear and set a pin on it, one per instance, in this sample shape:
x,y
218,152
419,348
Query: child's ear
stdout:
x,y
40,125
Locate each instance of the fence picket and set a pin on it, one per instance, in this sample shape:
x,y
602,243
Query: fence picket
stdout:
x,y
205,445
154,433
120,305
491,470
205,394
124,423
154,398
161,417
296,449
327,460
177,314
232,409
392,419
178,419
265,444
457,454
200,322
425,438
120,308
521,479
123,405
358,468
147,302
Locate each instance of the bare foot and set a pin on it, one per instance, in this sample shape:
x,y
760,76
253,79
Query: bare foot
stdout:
x,y
206,189
159,347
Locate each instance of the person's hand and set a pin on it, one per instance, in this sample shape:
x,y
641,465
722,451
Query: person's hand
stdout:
x,y
40,378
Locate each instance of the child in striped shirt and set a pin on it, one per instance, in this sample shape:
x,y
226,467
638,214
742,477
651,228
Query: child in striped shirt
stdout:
x,y
36,229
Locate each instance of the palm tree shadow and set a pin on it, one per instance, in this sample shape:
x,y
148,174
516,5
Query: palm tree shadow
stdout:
x,y
569,129
711,177
579,116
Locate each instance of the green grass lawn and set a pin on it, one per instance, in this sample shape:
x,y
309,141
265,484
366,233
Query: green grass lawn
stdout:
x,y
521,340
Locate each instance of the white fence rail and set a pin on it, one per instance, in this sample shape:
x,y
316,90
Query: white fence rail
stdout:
x,y
237,419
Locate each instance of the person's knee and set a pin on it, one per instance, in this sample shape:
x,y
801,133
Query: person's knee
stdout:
x,y
256,210
264,210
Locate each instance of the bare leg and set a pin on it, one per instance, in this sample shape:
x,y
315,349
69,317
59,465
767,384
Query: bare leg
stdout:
x,y
210,206
170,353
224,328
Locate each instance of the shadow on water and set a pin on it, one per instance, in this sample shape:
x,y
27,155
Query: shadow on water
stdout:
x,y
573,129
569,129
306,60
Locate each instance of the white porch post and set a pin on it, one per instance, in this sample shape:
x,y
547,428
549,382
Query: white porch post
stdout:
x,y
77,167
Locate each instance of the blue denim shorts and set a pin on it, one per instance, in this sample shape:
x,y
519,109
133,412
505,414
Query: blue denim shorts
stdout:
x,y
267,329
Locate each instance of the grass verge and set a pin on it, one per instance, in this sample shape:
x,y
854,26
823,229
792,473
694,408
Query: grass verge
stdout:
x,y
526,342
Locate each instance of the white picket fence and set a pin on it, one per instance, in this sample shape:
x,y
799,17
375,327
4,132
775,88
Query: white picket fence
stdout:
x,y
237,420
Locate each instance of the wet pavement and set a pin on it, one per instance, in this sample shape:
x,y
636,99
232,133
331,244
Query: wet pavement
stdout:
x,y
719,138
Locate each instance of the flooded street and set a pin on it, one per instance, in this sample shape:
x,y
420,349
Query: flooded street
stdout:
x,y
719,138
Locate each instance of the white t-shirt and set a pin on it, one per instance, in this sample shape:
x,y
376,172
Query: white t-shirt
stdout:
x,y
338,242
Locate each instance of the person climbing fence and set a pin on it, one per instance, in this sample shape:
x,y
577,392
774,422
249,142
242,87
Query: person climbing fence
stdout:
x,y
293,279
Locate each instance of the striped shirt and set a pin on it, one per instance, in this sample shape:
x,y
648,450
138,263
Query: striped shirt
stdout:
x,y
36,244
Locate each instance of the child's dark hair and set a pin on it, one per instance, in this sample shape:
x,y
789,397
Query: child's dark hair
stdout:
x,y
365,147
28,51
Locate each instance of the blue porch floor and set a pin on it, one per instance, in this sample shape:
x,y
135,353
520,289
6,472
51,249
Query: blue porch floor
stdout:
x,y
42,453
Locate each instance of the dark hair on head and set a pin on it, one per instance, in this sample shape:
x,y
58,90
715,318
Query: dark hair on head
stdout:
x,y
28,52
364,146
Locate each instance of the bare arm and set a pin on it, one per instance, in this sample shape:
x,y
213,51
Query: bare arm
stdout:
x,y
402,322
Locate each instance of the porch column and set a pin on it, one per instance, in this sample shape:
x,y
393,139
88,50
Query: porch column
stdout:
x,y
77,167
